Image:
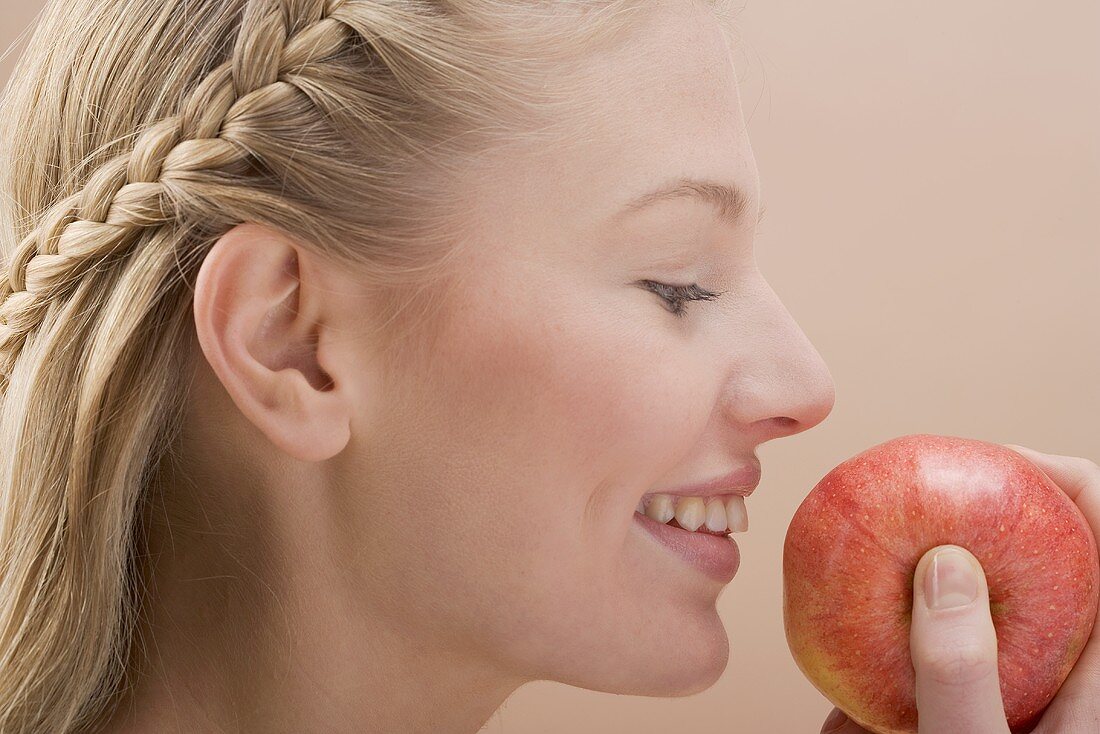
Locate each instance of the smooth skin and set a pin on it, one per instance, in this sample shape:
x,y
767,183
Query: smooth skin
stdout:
x,y
955,650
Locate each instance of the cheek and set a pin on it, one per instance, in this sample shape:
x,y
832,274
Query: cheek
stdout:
x,y
576,388
530,415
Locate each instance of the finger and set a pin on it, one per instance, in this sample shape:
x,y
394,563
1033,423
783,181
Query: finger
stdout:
x,y
839,723
954,646
1080,479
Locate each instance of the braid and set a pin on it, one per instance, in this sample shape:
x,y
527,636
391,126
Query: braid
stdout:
x,y
129,194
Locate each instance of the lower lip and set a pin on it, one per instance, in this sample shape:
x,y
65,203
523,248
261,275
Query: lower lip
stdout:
x,y
716,556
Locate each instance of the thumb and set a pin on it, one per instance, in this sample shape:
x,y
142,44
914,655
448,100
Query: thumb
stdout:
x,y
954,646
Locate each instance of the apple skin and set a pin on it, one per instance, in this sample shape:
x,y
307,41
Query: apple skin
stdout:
x,y
852,548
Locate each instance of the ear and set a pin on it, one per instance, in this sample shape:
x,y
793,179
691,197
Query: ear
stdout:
x,y
258,321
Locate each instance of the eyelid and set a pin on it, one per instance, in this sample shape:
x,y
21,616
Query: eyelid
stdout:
x,y
676,297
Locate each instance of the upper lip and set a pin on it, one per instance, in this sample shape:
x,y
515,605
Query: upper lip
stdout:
x,y
741,481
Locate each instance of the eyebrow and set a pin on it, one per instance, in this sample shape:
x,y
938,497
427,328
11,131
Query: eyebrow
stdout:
x,y
730,201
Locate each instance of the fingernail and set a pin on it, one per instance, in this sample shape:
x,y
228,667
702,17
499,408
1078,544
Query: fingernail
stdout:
x,y
836,720
951,582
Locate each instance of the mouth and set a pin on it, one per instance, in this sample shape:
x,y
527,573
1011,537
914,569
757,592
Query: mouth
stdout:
x,y
715,515
714,553
701,529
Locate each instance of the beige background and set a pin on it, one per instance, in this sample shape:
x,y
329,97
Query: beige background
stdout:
x,y
932,178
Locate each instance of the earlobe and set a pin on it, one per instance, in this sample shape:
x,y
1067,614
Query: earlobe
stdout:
x,y
260,338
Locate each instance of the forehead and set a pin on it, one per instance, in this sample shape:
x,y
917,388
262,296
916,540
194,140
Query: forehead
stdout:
x,y
662,104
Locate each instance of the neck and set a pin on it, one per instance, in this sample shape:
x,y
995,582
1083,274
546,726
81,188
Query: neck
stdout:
x,y
238,637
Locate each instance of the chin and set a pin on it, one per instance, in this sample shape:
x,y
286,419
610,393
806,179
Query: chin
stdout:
x,y
694,660
685,679
682,667
708,671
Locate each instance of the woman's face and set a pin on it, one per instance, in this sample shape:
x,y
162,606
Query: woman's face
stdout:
x,y
503,471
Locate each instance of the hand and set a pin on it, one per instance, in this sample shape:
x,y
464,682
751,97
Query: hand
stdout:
x,y
955,650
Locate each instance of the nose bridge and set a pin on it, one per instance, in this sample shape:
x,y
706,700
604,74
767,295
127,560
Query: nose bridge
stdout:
x,y
784,385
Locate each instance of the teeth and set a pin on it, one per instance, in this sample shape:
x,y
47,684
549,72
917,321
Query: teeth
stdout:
x,y
661,508
690,512
717,513
737,515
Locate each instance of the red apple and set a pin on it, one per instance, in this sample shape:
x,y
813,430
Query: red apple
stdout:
x,y
852,548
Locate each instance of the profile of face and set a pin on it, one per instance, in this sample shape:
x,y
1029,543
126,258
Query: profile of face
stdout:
x,y
483,504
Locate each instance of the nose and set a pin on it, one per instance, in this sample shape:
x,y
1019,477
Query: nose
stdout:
x,y
783,386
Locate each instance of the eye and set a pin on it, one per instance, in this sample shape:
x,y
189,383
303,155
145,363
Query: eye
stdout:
x,y
677,295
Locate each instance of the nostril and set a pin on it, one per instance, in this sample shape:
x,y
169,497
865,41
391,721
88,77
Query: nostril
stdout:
x,y
786,425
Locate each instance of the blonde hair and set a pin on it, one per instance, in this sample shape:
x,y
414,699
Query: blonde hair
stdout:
x,y
135,133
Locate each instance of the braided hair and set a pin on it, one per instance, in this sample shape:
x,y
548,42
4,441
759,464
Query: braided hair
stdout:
x,y
134,134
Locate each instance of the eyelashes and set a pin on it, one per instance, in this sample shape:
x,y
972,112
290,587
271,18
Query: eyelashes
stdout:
x,y
676,296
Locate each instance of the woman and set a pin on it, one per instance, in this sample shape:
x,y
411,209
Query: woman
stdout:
x,y
344,337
